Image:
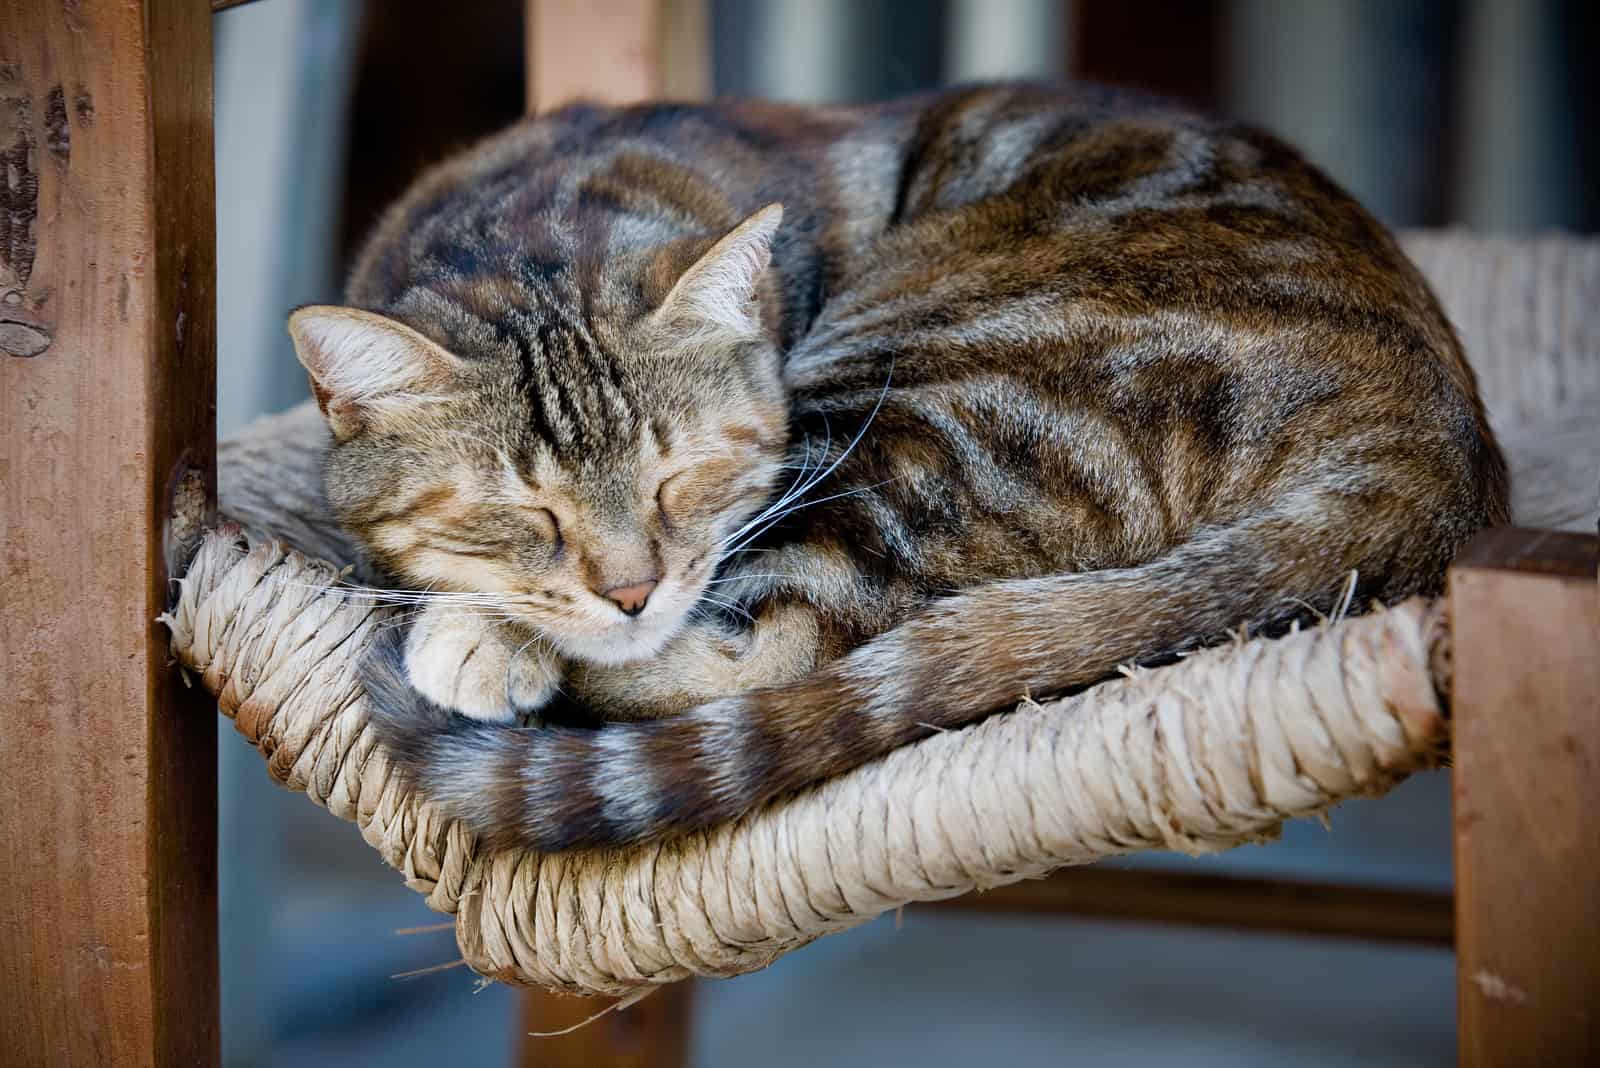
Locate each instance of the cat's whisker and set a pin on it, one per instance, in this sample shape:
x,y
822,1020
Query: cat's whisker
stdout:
x,y
796,488
731,606
821,500
426,597
781,507
404,619
794,493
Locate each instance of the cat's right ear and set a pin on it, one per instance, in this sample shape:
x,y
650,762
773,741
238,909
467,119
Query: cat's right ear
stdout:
x,y
368,371
720,291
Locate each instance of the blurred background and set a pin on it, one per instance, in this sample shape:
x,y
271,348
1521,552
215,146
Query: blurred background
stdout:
x,y
1476,113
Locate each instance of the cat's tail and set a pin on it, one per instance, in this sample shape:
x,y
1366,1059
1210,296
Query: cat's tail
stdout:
x,y
956,661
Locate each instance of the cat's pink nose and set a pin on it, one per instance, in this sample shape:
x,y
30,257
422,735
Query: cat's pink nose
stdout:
x,y
631,599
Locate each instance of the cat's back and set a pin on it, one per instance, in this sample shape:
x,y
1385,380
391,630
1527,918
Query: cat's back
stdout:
x,y
559,191
561,185
1097,239
1192,288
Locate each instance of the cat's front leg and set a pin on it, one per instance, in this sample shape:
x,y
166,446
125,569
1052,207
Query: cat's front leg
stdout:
x,y
704,662
483,668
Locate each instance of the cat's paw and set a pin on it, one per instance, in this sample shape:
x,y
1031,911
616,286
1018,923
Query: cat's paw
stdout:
x,y
482,668
698,665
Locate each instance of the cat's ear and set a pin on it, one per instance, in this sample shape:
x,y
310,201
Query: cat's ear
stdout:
x,y
720,290
367,370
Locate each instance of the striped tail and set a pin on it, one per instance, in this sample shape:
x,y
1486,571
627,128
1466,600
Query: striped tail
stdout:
x,y
956,661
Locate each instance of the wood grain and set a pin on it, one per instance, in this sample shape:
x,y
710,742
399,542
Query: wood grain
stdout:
x,y
107,763
1525,616
616,51
653,1033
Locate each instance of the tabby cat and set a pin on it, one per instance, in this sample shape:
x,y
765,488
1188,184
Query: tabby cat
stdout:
x,y
783,436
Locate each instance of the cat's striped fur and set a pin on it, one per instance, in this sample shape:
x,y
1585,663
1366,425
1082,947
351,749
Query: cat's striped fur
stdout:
x,y
1118,379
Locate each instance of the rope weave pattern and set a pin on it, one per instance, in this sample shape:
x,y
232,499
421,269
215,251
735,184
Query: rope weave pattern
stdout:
x,y
1203,755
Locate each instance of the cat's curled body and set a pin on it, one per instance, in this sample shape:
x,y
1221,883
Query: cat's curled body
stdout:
x,y
1085,380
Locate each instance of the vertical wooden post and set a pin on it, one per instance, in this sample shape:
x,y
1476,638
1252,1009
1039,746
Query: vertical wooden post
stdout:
x,y
1525,624
615,51
107,394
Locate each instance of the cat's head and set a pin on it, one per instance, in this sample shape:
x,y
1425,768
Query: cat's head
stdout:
x,y
580,460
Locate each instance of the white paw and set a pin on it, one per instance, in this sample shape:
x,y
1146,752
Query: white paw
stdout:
x,y
483,669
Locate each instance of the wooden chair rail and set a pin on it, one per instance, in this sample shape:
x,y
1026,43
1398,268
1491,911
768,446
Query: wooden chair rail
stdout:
x,y
1282,906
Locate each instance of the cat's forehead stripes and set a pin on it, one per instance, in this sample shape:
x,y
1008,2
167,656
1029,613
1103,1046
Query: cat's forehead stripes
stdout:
x,y
573,393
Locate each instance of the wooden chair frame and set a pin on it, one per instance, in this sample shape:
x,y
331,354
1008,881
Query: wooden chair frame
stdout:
x,y
107,762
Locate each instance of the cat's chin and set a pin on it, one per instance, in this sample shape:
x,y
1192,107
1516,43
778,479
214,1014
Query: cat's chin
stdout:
x,y
621,645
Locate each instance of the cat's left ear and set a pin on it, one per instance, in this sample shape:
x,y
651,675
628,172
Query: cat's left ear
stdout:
x,y
720,290
368,371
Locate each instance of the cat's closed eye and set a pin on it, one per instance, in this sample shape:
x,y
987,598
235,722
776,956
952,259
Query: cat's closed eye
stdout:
x,y
548,526
697,492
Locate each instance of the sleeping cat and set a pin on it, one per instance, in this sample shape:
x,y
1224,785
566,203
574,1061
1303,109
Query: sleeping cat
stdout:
x,y
785,436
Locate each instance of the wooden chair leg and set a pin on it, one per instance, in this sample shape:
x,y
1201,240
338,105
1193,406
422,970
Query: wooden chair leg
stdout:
x,y
653,1033
1525,620
107,394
